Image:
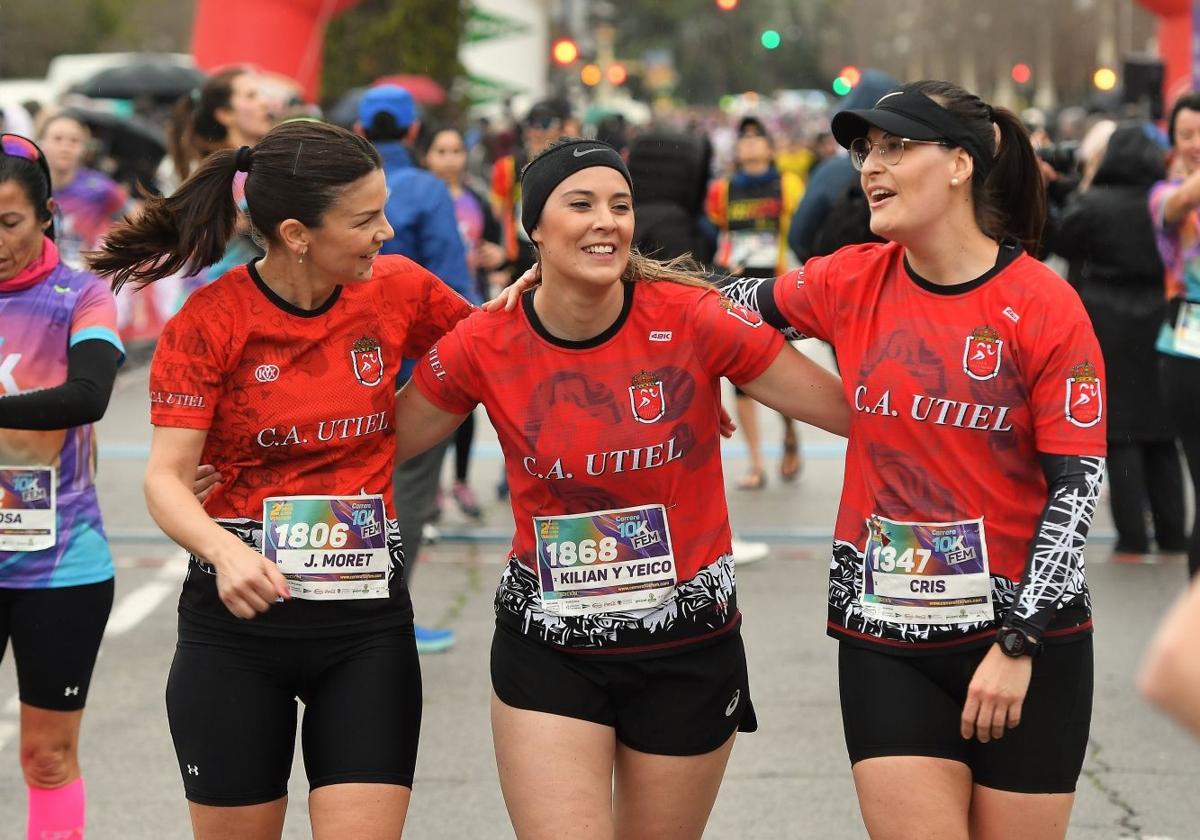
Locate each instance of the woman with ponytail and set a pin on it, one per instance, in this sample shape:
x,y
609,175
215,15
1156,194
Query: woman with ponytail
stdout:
x,y
976,453
280,375
957,588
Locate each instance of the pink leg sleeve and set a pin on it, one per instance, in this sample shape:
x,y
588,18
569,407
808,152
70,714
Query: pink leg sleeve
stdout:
x,y
57,814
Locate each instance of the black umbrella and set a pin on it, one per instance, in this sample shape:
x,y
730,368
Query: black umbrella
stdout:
x,y
135,145
150,76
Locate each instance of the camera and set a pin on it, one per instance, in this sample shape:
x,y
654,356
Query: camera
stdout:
x,y
1062,157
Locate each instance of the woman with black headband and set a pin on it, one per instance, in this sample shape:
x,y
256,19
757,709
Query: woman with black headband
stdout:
x,y
976,454
280,375
58,358
618,670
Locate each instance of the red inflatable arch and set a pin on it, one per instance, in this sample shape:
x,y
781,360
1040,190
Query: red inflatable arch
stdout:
x,y
282,36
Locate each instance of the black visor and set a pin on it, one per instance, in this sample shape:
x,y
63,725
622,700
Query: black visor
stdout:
x,y
909,113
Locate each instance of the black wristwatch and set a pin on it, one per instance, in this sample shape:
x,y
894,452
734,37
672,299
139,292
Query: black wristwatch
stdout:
x,y
1015,643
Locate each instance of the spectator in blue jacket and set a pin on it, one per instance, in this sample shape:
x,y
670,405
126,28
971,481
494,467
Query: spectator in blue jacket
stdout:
x,y
421,212
419,207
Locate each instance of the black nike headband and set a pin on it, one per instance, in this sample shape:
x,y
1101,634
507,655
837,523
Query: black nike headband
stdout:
x,y
544,173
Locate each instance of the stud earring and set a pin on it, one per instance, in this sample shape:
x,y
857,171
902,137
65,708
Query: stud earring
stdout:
x,y
954,182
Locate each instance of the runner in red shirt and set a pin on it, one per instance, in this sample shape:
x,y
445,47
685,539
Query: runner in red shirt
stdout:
x,y
618,669
957,584
280,375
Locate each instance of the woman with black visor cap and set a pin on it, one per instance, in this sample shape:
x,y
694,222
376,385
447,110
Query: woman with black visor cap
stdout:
x,y
957,588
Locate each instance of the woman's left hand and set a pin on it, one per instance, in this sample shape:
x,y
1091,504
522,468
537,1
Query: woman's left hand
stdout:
x,y
995,696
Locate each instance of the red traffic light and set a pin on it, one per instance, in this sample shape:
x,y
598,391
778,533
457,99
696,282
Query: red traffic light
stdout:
x,y
1021,74
727,5
565,51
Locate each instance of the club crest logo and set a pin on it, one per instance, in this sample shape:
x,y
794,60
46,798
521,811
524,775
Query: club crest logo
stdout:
x,y
366,357
740,312
981,355
646,397
1085,397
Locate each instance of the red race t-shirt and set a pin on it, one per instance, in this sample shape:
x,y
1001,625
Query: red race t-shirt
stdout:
x,y
954,391
625,420
296,402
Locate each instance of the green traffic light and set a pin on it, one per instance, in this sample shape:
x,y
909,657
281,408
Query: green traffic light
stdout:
x,y
840,86
770,39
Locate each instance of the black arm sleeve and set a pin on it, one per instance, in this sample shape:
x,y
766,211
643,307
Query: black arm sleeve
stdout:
x,y
1054,569
758,295
82,399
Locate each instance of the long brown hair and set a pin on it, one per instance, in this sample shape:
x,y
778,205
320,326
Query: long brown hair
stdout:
x,y
193,130
297,171
1011,201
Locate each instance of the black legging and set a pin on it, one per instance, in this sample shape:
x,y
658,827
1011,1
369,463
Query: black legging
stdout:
x,y
462,448
1181,386
1147,471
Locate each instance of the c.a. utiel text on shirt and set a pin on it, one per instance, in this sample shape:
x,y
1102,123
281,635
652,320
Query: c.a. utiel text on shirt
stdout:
x,y
610,462
943,412
340,428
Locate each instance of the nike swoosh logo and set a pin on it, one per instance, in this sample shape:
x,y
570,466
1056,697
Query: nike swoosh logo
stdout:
x,y
582,152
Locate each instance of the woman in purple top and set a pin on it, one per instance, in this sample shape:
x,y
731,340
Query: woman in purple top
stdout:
x,y
58,360
88,201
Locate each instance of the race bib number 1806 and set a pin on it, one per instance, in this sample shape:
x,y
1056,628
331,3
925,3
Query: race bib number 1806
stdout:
x,y
328,547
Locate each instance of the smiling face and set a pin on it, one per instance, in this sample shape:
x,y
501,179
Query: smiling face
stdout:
x,y
351,232
21,231
586,227
1187,139
907,197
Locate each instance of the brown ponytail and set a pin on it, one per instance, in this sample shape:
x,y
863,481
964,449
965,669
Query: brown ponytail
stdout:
x,y
1011,201
193,131
188,229
297,171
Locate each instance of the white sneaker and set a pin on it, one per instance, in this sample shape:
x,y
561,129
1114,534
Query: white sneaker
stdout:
x,y
430,534
745,552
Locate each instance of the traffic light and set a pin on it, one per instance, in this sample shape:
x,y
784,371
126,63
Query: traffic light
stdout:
x,y
565,51
851,74
771,39
1105,78
727,5
841,86
590,75
617,74
1021,74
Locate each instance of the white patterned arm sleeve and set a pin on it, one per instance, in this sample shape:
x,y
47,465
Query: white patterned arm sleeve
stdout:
x,y
758,295
1054,574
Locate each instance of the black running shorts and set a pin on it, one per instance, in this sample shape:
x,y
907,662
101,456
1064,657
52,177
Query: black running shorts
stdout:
x,y
55,636
231,704
685,703
912,705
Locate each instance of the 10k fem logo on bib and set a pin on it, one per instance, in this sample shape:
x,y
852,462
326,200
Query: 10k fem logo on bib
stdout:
x,y
328,547
926,572
28,520
604,561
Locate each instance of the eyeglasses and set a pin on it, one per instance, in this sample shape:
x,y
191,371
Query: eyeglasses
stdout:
x,y
14,145
891,149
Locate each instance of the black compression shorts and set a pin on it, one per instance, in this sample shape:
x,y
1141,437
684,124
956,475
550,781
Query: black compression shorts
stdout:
x,y
685,703
231,704
912,705
55,636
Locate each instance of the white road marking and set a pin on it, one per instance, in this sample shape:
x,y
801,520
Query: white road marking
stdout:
x,y
145,599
